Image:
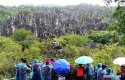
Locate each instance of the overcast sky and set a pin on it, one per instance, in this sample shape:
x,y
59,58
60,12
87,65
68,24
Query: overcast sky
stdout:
x,y
55,2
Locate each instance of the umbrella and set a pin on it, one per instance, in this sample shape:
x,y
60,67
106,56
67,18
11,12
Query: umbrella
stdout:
x,y
119,60
61,67
84,60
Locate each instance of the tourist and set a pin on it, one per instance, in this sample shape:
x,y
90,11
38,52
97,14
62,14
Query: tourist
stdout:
x,y
47,71
101,72
36,70
99,66
17,68
121,72
23,71
29,66
80,72
70,74
109,75
89,72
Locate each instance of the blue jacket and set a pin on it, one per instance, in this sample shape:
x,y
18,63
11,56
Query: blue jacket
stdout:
x,y
89,72
36,70
101,72
23,71
17,71
47,77
99,66
109,75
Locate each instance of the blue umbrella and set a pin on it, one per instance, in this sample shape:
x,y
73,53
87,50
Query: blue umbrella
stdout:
x,y
61,67
84,60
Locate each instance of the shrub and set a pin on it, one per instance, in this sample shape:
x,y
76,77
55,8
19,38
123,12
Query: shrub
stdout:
x,y
10,53
74,40
21,35
104,37
107,55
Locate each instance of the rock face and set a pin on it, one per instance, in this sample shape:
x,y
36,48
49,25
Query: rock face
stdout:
x,y
53,22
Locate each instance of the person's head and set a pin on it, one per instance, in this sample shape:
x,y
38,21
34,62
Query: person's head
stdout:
x,y
88,64
103,66
99,65
109,71
122,68
24,61
52,60
47,62
36,61
21,59
80,65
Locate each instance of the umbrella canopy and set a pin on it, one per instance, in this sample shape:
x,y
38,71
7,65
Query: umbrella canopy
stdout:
x,y
84,60
61,67
119,60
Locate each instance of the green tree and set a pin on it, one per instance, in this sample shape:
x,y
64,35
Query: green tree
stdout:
x,y
104,37
21,35
119,15
107,55
102,57
10,53
24,38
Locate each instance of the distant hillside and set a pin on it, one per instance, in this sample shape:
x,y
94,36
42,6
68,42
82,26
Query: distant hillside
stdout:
x,y
54,21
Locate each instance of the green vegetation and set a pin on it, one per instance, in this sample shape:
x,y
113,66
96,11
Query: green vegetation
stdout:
x,y
120,25
74,40
9,54
104,37
23,44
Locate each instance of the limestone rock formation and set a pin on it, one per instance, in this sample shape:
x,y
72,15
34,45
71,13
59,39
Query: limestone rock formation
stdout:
x,y
54,22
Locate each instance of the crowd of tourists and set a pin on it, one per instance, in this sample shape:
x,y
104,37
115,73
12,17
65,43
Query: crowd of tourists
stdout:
x,y
45,71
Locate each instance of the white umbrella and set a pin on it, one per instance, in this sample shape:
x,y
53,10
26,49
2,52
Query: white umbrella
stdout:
x,y
119,60
84,60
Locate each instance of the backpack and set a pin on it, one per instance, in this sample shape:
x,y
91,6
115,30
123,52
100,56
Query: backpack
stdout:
x,y
36,68
79,72
47,71
22,71
100,74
